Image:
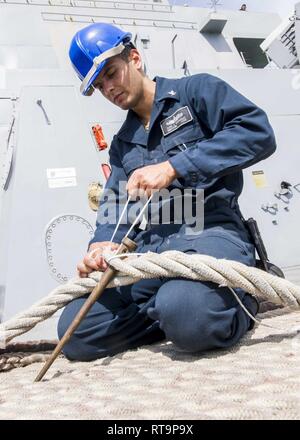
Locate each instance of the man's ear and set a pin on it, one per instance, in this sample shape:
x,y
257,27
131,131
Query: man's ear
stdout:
x,y
136,58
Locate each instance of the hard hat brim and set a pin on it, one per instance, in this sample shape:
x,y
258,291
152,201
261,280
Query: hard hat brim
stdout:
x,y
88,89
98,64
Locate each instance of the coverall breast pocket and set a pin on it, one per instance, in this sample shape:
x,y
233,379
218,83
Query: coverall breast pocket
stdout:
x,y
132,161
181,140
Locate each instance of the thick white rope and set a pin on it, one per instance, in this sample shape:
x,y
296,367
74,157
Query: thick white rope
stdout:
x,y
170,264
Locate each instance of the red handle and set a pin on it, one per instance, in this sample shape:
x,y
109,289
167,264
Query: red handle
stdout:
x,y
106,170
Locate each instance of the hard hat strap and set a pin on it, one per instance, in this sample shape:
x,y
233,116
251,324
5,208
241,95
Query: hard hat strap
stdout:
x,y
97,61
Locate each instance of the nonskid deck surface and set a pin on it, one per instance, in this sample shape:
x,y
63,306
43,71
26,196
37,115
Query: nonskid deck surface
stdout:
x,y
257,379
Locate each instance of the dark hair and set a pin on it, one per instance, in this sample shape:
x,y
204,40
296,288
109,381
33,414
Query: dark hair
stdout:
x,y
126,52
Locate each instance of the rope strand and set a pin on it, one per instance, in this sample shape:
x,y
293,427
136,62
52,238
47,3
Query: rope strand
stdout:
x,y
171,264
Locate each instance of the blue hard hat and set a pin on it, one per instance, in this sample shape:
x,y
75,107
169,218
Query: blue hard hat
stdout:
x,y
90,49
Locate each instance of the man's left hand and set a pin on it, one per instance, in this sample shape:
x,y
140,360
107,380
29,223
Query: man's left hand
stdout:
x,y
151,178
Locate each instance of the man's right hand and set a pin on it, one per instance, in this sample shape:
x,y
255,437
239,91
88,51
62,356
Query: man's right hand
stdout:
x,y
94,258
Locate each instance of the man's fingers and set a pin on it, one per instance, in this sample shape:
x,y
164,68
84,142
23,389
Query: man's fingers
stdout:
x,y
138,191
83,269
101,263
90,262
87,266
140,185
133,189
134,183
94,260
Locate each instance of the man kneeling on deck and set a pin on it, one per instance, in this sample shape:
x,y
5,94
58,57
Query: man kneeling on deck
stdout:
x,y
193,133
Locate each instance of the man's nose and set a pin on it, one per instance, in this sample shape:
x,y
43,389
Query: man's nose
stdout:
x,y
109,87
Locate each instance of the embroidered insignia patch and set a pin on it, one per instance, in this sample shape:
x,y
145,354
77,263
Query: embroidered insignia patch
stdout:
x,y
180,117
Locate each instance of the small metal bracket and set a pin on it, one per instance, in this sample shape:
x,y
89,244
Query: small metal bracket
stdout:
x,y
40,104
285,192
271,208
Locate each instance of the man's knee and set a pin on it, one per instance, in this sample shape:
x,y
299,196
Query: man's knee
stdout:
x,y
195,317
76,349
81,346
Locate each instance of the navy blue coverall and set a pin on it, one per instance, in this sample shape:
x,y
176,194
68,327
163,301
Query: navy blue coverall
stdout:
x,y
220,133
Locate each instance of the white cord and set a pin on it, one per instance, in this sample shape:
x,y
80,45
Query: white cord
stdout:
x,y
139,216
258,321
120,219
113,257
135,221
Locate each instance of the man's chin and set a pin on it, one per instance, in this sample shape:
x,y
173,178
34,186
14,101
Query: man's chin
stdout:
x,y
124,106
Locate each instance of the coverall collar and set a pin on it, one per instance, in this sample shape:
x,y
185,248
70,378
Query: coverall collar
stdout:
x,y
166,88
133,130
